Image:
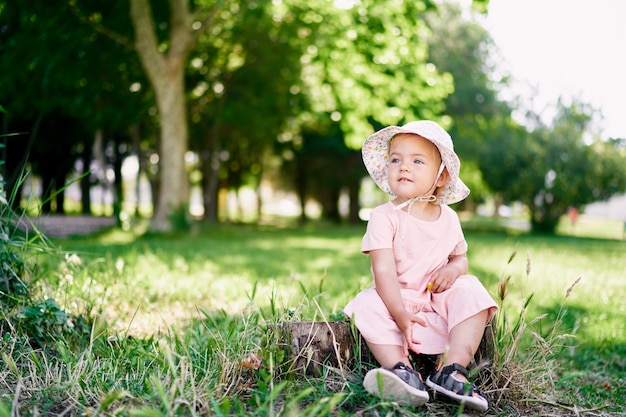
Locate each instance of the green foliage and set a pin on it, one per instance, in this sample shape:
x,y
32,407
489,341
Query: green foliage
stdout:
x,y
73,83
193,364
286,73
551,169
65,66
244,93
13,269
368,65
179,219
13,289
45,322
23,315
462,47
5,411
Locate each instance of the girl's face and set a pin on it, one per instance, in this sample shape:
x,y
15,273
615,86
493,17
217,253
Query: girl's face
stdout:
x,y
413,166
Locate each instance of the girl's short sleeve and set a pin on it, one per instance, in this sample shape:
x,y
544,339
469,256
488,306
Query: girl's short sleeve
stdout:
x,y
380,232
461,245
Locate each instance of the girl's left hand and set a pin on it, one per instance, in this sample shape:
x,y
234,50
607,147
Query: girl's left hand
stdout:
x,y
441,280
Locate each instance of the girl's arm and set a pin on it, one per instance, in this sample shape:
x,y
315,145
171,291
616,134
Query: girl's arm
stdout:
x,y
387,286
444,277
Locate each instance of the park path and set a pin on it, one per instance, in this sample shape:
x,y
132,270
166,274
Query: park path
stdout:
x,y
60,226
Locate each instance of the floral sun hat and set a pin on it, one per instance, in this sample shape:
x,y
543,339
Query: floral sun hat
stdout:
x,y
376,157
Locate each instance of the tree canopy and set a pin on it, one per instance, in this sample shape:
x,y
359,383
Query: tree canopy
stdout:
x,y
553,168
277,91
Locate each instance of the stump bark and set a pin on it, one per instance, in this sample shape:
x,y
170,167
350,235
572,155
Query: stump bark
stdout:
x,y
313,346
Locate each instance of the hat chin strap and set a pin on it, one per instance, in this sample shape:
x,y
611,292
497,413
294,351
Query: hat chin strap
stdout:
x,y
421,199
424,198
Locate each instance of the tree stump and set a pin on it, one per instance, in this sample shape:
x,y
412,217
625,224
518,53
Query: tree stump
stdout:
x,y
313,346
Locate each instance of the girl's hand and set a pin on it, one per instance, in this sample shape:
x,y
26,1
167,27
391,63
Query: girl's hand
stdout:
x,y
405,322
441,280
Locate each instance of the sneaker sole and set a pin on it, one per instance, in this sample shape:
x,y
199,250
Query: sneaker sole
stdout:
x,y
393,388
466,400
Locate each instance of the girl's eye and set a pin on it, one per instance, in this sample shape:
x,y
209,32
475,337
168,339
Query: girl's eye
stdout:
x,y
394,160
418,161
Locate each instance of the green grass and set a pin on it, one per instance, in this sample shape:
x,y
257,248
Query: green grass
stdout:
x,y
176,314
221,268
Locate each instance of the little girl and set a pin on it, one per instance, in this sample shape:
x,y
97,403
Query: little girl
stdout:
x,y
422,298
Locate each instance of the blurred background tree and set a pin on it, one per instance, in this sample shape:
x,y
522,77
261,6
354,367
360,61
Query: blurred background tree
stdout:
x,y
553,168
229,95
63,85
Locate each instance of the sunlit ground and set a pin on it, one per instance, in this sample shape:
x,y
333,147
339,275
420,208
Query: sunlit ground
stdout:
x,y
145,283
593,227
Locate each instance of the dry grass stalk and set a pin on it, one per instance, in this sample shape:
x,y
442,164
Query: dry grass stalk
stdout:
x,y
523,368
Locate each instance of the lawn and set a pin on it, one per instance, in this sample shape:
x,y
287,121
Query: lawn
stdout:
x,y
176,314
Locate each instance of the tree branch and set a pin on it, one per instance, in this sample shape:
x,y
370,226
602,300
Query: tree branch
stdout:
x,y
181,39
146,42
103,30
207,21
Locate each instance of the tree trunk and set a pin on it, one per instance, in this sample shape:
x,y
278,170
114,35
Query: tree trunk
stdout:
x,y
259,196
85,181
174,193
301,184
46,189
355,205
118,183
136,135
59,196
166,74
210,181
329,199
98,156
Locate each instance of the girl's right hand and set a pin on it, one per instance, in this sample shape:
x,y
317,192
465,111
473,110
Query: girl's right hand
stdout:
x,y
406,321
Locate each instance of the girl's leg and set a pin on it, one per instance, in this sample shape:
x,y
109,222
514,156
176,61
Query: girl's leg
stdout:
x,y
389,355
464,339
394,381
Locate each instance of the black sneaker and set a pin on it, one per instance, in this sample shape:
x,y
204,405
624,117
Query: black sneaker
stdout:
x,y
400,384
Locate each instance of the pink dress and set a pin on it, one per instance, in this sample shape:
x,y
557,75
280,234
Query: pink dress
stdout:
x,y
420,248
